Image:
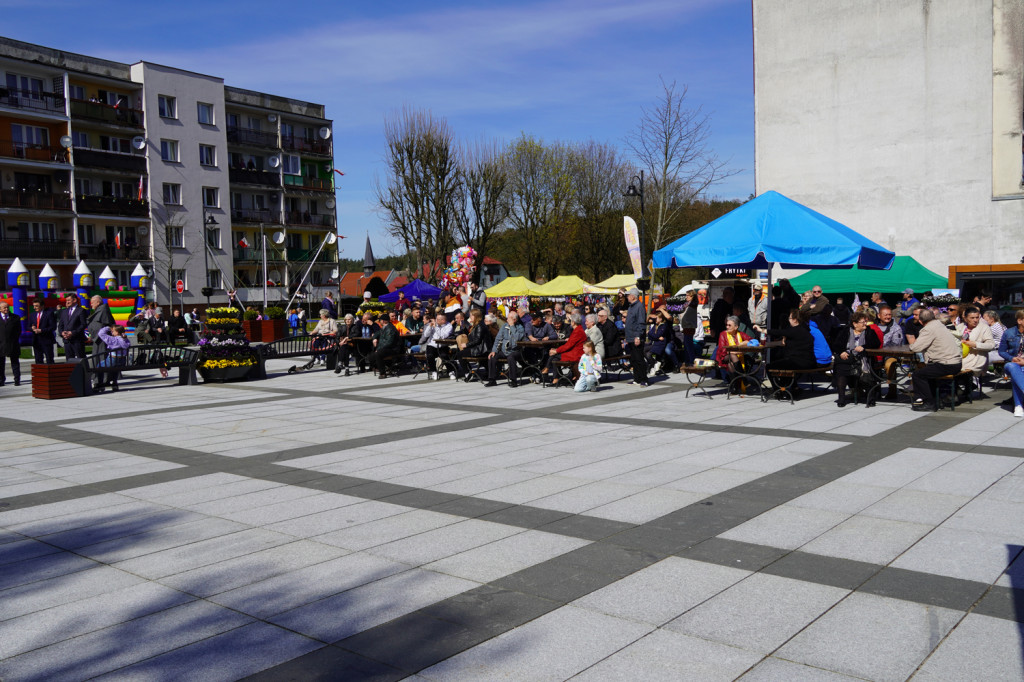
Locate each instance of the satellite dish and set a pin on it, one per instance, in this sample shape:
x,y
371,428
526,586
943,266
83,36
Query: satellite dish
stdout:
x,y
274,161
139,142
277,238
272,118
143,230
330,203
325,133
331,239
65,141
334,273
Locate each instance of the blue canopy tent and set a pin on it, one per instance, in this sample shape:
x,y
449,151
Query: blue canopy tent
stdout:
x,y
417,288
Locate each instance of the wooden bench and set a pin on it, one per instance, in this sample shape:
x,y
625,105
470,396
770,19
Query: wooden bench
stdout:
x,y
950,381
565,374
701,373
297,347
618,364
787,379
161,356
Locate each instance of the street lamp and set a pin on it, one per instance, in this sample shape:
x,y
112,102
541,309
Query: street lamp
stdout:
x,y
208,222
636,189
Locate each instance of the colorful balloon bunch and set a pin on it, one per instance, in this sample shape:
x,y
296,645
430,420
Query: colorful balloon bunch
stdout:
x,y
460,272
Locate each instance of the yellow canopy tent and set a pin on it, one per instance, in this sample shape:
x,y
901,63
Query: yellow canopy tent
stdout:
x,y
512,286
563,285
611,285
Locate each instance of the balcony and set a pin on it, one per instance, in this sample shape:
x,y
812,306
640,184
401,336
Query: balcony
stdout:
x,y
104,205
312,184
251,215
249,254
63,249
307,218
31,199
97,158
327,256
307,146
246,176
33,152
109,252
98,111
28,99
248,136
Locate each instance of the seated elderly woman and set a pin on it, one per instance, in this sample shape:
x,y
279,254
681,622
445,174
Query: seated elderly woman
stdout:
x,y
571,350
851,364
326,327
730,363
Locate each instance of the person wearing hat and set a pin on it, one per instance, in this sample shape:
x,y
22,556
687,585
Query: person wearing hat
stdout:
x,y
634,333
906,310
757,306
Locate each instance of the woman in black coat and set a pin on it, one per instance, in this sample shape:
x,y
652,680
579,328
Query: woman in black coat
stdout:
x,y
477,345
798,353
852,363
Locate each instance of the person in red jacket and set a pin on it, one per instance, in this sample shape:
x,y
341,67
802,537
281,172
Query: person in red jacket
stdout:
x,y
571,350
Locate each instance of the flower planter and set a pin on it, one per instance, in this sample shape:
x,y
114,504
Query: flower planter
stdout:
x,y
272,330
222,374
253,330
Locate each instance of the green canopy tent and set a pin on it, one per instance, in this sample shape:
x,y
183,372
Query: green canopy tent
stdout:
x,y
905,272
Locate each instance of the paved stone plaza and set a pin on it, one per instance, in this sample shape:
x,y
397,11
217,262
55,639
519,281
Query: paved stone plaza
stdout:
x,y
317,527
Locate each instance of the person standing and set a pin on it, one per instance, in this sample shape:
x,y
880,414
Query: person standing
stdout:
x,y
10,344
71,327
328,305
757,306
99,317
634,333
476,299
43,326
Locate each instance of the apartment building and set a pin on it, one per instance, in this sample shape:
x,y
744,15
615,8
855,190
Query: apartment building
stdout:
x,y
118,164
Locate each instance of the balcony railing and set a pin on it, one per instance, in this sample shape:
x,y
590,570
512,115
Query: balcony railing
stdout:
x,y
306,255
301,182
250,215
251,137
27,99
102,252
307,218
97,158
249,254
103,205
33,152
25,248
98,111
254,177
302,144
29,198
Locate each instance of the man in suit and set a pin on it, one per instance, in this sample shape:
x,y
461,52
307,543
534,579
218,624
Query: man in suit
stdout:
x,y
43,326
99,317
10,344
71,327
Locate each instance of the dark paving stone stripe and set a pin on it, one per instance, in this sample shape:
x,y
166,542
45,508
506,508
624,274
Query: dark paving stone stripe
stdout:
x,y
1006,603
976,449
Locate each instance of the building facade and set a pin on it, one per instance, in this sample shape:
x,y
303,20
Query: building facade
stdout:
x,y
901,120
119,164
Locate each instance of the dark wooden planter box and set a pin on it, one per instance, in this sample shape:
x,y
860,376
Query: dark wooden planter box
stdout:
x,y
253,330
265,330
53,382
220,375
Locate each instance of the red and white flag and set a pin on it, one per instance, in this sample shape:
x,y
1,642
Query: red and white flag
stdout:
x,y
117,239
140,188
243,242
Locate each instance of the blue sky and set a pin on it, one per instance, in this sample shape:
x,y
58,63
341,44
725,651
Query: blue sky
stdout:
x,y
562,69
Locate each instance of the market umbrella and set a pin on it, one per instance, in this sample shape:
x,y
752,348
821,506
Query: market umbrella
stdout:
x,y
611,285
512,286
563,285
417,288
905,272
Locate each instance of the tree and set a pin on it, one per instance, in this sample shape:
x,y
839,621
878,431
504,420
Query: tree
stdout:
x,y
671,143
598,176
541,193
420,195
486,197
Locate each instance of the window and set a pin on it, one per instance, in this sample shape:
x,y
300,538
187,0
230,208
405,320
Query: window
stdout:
x,y
76,91
23,136
292,164
211,197
177,275
125,190
172,194
207,155
294,241
168,106
254,122
309,170
232,120
287,130
115,144
26,86
176,236
80,140
86,234
205,113
259,202
169,150
213,279
124,278
213,237
38,232
33,182
314,242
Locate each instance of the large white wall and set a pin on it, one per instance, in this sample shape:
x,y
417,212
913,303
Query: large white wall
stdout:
x,y
879,113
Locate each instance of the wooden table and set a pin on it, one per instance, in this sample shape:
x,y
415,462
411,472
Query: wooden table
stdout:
x,y
906,361
535,363
754,373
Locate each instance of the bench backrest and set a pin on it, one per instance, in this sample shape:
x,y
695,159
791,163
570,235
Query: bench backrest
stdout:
x,y
296,346
157,355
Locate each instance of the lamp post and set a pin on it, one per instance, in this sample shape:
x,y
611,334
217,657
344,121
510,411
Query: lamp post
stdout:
x,y
636,189
208,222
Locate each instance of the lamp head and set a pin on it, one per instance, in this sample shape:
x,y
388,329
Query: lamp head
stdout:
x,y
210,220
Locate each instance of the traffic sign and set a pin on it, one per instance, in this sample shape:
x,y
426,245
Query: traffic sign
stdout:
x,y
180,286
